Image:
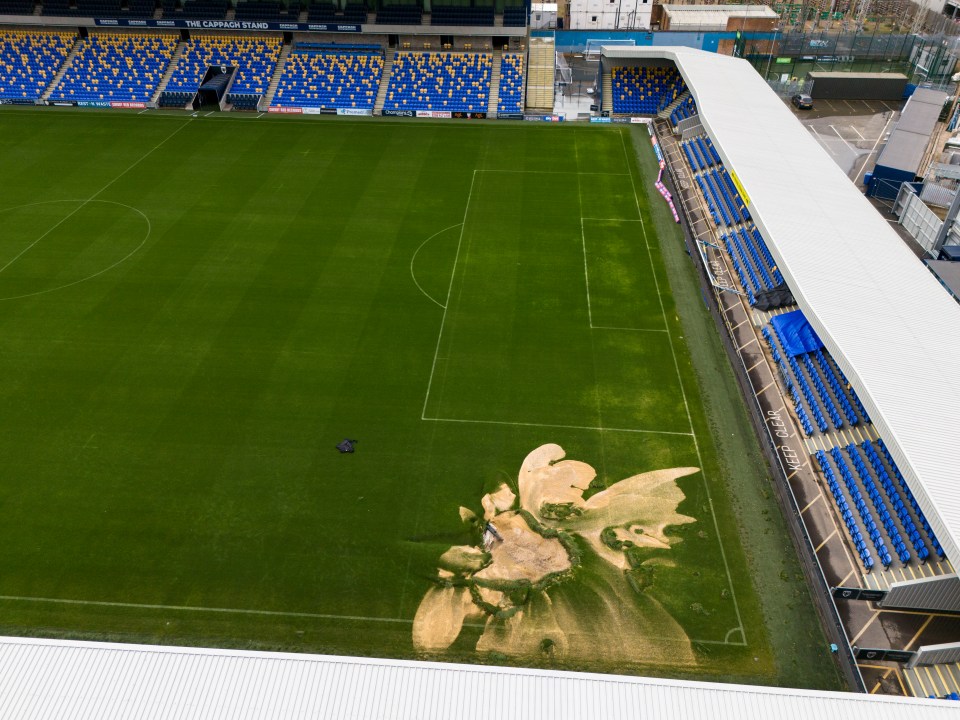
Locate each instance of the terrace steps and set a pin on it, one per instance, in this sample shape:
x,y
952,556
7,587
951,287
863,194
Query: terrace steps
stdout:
x,y
494,98
541,65
171,68
384,82
665,113
277,74
74,51
607,89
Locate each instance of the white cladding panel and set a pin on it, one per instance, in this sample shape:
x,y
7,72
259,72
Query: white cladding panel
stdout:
x,y
58,679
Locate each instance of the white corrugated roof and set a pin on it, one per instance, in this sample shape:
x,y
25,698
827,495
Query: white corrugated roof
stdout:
x,y
61,679
883,316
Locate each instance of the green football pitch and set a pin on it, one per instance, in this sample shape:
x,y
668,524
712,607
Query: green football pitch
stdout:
x,y
195,311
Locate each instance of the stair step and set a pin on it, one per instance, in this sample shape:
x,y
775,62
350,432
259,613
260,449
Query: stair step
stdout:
x,y
384,82
494,97
168,73
267,99
74,51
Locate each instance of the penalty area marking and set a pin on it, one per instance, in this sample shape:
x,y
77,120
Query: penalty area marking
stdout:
x,y
412,259
562,427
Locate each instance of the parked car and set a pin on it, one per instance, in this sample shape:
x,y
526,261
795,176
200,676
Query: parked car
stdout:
x,y
803,102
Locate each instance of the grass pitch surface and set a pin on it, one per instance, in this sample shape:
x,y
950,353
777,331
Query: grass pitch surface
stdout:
x,y
197,310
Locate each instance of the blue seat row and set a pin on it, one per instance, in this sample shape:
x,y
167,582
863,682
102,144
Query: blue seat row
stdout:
x,y
739,268
895,500
828,372
911,499
688,108
805,389
849,521
798,408
876,499
826,401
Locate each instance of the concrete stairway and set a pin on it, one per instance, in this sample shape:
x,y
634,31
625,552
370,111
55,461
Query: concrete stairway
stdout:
x,y
494,83
541,64
74,51
384,82
275,79
607,89
665,113
168,73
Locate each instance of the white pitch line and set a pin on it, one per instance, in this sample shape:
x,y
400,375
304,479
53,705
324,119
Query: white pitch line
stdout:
x,y
446,305
194,608
683,392
586,273
92,197
631,329
612,219
412,259
550,425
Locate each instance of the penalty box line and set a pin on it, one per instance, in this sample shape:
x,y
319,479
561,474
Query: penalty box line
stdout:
x,y
559,426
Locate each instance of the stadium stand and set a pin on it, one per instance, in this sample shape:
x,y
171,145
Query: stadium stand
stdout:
x,y
140,8
331,76
515,16
399,15
511,84
461,15
888,516
16,7
203,9
254,58
355,13
116,67
268,10
750,256
29,60
645,90
459,82
322,12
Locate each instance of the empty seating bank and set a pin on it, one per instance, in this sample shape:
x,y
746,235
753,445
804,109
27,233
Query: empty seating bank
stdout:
x,y
253,57
29,60
329,76
115,67
458,82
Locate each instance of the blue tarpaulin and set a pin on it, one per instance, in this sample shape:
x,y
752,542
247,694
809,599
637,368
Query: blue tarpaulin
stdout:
x,y
795,333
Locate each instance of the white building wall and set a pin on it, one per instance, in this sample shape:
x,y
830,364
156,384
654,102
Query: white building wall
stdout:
x,y
610,14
